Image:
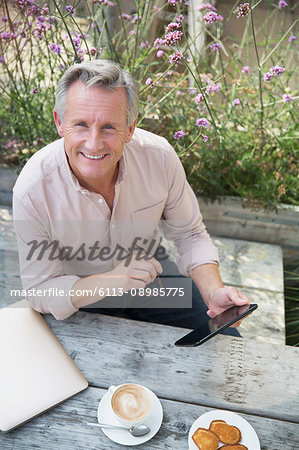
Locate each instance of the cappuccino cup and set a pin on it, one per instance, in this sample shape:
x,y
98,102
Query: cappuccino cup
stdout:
x,y
131,403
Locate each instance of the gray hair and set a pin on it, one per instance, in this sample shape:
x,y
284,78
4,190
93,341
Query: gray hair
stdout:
x,y
101,73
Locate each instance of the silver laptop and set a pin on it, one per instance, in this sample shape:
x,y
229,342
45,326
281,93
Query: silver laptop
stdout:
x,y
36,373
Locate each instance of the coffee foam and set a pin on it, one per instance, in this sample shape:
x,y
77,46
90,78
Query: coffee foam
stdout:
x,y
131,402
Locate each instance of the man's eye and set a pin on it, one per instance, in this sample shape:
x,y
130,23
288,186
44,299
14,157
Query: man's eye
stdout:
x,y
108,127
81,124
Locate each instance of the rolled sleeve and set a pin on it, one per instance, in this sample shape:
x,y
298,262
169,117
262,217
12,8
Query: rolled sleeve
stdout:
x,y
43,279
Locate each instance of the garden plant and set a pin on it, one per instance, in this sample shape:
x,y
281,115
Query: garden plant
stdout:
x,y
229,109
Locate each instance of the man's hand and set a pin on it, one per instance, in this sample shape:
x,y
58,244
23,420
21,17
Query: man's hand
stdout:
x,y
217,297
224,298
137,274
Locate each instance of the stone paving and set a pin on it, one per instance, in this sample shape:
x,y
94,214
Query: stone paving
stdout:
x,y
256,268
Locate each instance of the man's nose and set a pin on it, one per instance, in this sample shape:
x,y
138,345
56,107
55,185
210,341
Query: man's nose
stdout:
x,y
94,142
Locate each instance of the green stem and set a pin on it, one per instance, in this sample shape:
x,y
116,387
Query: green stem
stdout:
x,y
279,42
123,26
67,28
15,44
259,72
223,75
204,97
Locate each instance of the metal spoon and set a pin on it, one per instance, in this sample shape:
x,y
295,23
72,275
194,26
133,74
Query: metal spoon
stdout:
x,y
135,430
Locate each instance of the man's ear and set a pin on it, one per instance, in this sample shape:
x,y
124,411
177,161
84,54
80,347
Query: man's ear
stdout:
x,y
58,124
131,130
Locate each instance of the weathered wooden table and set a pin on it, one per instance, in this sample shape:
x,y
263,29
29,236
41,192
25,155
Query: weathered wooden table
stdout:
x,y
258,381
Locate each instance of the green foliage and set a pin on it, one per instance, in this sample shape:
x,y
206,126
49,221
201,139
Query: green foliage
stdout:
x,y
291,282
249,147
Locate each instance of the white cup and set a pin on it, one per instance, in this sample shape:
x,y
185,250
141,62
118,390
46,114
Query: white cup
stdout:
x,y
130,403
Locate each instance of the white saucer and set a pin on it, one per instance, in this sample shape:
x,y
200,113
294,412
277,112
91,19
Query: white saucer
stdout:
x,y
249,436
154,421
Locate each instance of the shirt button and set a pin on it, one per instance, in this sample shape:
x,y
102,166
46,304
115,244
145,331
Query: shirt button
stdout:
x,y
113,226
100,200
83,192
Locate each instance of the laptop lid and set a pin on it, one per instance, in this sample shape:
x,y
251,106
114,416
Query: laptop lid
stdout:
x,y
36,373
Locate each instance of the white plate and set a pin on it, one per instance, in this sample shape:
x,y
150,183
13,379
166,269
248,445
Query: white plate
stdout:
x,y
154,421
249,436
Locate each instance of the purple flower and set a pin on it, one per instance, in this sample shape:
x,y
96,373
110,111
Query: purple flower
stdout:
x,y
55,48
172,37
1,60
179,134
287,98
24,3
40,28
174,2
211,17
216,46
93,51
180,18
176,57
292,38
213,88
34,91
277,70
202,122
236,102
199,98
145,44
267,76
243,10
207,6
70,9
246,69
160,53
172,26
135,18
158,42
6,36
104,2
76,41
282,4
125,16
149,82
205,137
4,19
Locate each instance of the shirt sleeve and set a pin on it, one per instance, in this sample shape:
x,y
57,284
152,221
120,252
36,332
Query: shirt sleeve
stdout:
x,y
183,220
47,287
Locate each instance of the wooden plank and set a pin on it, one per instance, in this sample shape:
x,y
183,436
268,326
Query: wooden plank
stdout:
x,y
225,372
64,428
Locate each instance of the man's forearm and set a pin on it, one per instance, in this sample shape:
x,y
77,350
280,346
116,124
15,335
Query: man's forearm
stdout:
x,y
207,279
87,290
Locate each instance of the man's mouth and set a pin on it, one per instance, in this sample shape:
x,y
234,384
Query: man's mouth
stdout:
x,y
94,157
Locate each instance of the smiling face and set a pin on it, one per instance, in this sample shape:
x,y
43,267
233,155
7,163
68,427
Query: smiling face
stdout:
x,y
95,131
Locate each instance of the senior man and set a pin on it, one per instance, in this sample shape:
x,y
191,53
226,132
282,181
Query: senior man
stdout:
x,y
105,185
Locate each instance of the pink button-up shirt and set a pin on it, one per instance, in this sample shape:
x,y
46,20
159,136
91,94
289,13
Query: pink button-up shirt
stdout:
x,y
53,213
